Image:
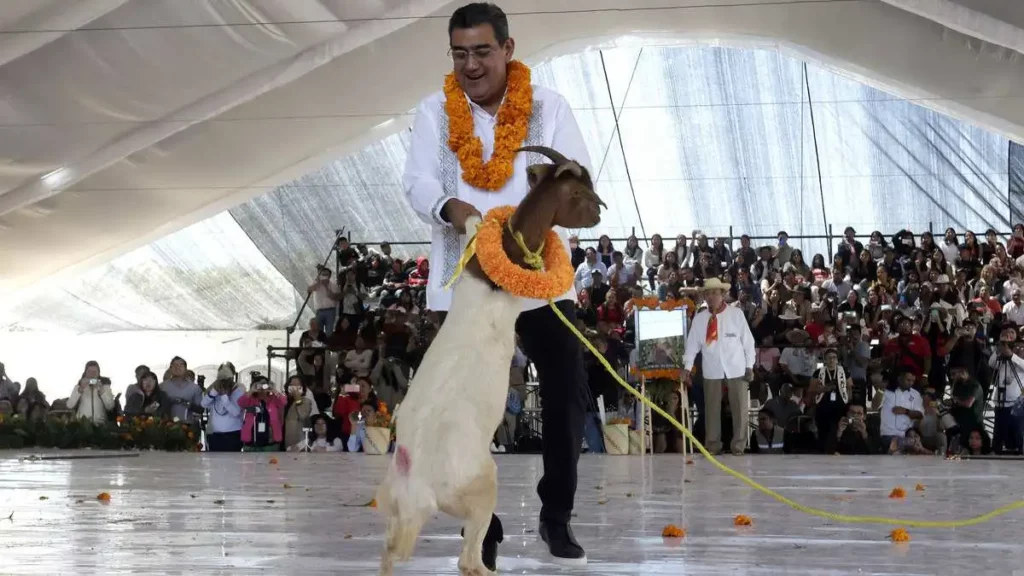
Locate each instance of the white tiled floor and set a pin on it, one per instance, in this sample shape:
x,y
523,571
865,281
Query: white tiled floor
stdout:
x,y
164,516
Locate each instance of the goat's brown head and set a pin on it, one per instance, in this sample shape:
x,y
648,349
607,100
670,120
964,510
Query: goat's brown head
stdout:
x,y
568,183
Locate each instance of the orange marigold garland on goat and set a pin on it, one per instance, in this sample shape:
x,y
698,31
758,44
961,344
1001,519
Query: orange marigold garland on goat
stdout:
x,y
509,133
551,282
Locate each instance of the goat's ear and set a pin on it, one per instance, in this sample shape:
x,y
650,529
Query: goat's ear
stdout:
x,y
536,173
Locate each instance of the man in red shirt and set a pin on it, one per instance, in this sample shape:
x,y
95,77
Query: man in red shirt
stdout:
x,y
909,350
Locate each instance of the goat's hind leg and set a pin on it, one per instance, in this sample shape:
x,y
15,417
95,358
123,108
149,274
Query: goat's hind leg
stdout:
x,y
478,501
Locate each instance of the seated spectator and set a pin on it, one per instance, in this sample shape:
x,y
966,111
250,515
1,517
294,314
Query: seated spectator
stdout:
x,y
931,429
31,404
9,390
224,430
357,420
909,444
359,360
852,436
908,350
148,399
767,438
652,259
324,438
798,364
819,271
849,249
421,274
184,394
802,270
876,246
353,396
373,274
315,333
353,295
633,254
263,427
133,388
978,443
611,310
1013,311
91,398
901,409
297,413
585,271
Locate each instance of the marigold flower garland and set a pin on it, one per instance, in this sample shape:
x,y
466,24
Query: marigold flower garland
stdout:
x,y
509,133
552,282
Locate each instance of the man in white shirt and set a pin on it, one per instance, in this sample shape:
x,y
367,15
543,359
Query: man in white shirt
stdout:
x,y
1007,383
900,409
1013,310
325,294
721,334
585,271
435,184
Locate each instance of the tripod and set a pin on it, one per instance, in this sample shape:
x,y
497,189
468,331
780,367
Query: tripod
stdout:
x,y
1006,429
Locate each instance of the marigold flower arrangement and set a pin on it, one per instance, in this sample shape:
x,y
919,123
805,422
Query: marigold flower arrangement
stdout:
x,y
742,520
898,492
381,418
673,531
509,133
551,282
899,535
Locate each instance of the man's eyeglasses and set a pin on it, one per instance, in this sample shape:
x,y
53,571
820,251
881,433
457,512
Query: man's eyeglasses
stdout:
x,y
460,56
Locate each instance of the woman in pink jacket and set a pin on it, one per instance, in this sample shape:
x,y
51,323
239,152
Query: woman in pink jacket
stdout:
x,y
263,427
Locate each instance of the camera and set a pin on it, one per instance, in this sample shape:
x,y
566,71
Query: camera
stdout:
x,y
351,389
94,381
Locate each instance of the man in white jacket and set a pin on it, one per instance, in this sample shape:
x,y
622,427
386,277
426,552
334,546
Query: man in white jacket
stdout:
x,y
721,334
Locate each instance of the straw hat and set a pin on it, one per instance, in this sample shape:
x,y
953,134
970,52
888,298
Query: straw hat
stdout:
x,y
715,284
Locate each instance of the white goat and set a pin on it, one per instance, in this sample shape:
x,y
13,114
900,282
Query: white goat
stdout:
x,y
445,424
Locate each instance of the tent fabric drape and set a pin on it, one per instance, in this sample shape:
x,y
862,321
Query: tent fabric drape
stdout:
x,y
715,139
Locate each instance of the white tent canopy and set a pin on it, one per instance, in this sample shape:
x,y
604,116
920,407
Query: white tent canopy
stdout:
x,y
127,120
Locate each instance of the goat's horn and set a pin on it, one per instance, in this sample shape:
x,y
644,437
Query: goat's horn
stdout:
x,y
554,156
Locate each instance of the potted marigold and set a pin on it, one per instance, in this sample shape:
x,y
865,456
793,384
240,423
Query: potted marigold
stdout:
x,y
616,436
378,431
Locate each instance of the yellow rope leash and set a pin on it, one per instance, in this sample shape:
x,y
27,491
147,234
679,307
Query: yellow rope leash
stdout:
x,y
535,260
767,491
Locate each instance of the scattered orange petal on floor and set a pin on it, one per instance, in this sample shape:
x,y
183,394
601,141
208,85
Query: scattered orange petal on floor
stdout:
x,y
673,531
273,460
919,487
103,497
742,520
689,461
898,492
899,535
372,503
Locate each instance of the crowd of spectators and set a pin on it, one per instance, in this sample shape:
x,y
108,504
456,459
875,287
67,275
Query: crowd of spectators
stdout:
x,y
900,345
897,346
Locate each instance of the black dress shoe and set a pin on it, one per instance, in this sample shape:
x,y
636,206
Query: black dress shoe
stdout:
x,y
562,544
495,535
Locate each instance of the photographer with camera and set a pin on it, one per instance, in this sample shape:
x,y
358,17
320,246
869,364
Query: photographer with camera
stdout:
x,y
185,395
297,414
91,398
148,399
353,396
325,295
908,350
263,426
852,436
1007,386
224,431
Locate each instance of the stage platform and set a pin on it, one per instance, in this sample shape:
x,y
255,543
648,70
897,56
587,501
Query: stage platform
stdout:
x,y
238,514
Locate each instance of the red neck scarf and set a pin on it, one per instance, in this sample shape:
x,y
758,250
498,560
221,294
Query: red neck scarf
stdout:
x,y
712,334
